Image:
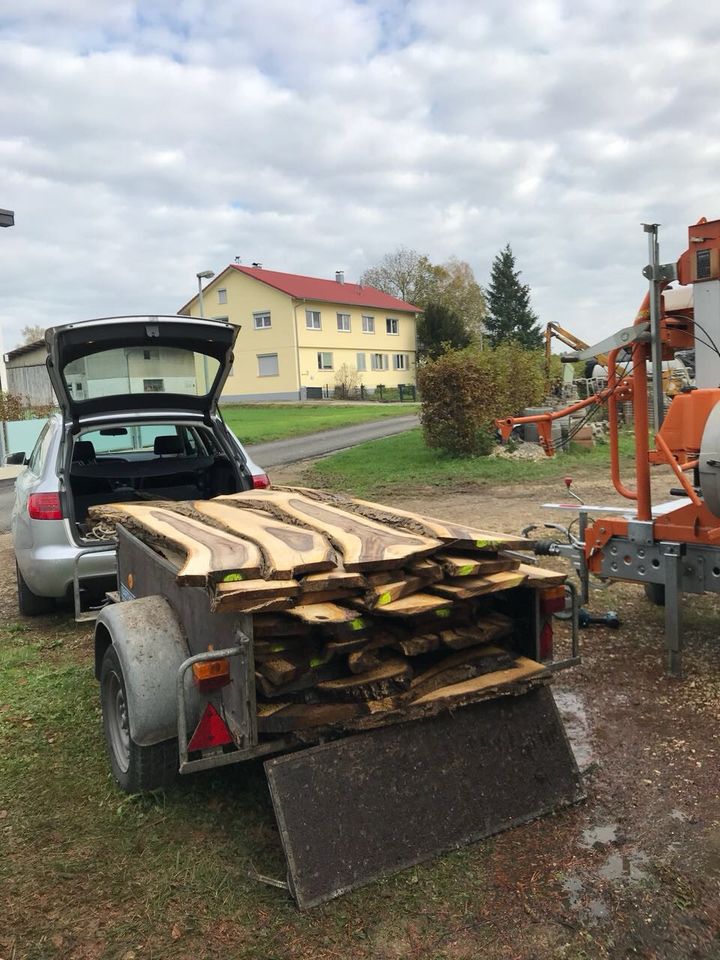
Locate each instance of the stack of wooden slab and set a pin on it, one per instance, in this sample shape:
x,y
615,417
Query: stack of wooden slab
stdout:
x,y
359,610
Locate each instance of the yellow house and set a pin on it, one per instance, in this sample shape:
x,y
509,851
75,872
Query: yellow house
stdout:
x,y
300,335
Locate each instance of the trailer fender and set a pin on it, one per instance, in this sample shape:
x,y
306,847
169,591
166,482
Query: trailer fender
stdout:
x,y
151,646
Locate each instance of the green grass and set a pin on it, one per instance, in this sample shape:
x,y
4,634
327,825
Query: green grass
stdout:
x,y
258,423
403,462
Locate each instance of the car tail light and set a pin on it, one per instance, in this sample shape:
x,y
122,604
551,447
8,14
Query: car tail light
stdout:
x,y
261,481
44,506
212,731
546,641
210,675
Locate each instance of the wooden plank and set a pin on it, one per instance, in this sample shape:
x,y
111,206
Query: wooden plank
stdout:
x,y
331,580
393,675
363,660
492,627
474,566
445,530
289,550
465,588
415,605
304,716
364,544
542,577
385,593
457,667
414,646
209,554
523,670
328,615
237,605
242,590
273,627
325,596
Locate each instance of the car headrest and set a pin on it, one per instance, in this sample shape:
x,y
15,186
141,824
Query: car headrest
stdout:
x,y
165,446
83,451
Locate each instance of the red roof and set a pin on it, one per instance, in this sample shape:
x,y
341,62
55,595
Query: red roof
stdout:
x,y
327,291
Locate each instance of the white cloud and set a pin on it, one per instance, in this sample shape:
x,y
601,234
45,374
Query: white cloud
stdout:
x,y
141,143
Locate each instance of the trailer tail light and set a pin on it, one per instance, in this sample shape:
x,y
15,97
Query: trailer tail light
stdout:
x,y
261,481
44,506
211,675
546,641
552,600
211,732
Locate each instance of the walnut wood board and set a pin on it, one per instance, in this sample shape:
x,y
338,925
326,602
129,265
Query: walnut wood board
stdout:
x,y
391,676
327,615
273,627
287,717
459,566
363,543
332,580
237,605
230,595
541,577
524,669
492,627
382,594
415,646
465,588
458,666
445,530
288,549
209,554
413,606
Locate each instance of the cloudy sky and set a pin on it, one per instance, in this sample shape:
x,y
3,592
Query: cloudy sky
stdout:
x,y
141,142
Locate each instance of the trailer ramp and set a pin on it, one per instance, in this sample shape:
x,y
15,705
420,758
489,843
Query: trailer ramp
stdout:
x,y
374,803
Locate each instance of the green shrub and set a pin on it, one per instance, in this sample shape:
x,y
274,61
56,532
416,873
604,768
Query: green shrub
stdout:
x,y
465,391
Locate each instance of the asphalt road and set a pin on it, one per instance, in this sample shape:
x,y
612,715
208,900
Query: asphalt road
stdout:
x,y
279,452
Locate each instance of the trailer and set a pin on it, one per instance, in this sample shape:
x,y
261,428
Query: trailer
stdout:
x,y
367,774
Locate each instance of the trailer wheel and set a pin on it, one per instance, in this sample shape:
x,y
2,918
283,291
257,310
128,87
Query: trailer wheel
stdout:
x,y
136,768
655,592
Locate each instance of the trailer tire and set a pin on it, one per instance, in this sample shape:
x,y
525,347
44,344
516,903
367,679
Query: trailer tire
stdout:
x,y
136,768
655,592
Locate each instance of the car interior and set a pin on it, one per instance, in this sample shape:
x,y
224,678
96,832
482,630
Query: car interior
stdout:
x,y
148,462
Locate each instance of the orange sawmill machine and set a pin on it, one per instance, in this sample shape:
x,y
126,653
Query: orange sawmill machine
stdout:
x,y
671,547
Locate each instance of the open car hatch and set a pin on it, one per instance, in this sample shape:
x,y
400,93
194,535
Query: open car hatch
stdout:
x,y
139,364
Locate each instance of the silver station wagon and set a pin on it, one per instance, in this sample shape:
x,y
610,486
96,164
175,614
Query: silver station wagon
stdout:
x,y
138,421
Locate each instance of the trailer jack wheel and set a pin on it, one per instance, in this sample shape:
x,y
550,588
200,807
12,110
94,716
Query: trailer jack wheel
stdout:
x,y
135,768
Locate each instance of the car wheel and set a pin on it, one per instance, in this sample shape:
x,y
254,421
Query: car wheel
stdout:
x,y
655,592
136,768
30,604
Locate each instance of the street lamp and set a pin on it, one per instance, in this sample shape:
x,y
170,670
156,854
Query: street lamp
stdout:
x,y
203,275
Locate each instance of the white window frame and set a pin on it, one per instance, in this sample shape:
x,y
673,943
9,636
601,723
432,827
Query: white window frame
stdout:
x,y
259,318
389,323
321,360
401,361
268,356
360,362
310,317
341,319
222,295
378,361
368,324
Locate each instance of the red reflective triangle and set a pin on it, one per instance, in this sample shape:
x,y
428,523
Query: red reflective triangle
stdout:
x,y
212,731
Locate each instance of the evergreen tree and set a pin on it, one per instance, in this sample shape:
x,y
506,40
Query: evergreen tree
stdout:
x,y
510,316
439,329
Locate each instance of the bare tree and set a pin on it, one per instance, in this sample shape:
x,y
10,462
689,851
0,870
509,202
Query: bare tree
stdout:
x,y
347,381
404,273
30,334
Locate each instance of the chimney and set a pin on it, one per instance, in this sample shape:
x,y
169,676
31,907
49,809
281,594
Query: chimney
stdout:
x,y
340,276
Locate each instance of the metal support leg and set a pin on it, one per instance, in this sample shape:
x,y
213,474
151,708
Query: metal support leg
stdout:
x,y
672,553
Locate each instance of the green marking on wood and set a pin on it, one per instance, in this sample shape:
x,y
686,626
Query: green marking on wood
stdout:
x,y
357,624
233,577
466,569
445,612
318,661
486,543
383,599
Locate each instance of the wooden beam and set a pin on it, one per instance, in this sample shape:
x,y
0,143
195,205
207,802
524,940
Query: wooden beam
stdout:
x,y
474,566
465,588
524,669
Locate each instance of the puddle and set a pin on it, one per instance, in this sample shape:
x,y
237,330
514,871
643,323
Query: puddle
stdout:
x,y
574,717
572,887
625,866
594,909
599,836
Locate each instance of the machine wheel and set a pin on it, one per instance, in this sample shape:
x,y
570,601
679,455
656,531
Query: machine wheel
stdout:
x,y
136,768
30,604
655,592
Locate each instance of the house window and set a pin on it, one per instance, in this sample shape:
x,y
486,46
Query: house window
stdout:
x,y
151,354
154,386
401,361
325,361
360,363
379,361
222,319
391,326
262,320
368,324
267,365
343,322
312,319
222,295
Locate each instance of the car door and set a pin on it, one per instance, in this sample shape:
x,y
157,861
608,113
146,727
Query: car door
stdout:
x,y
28,482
